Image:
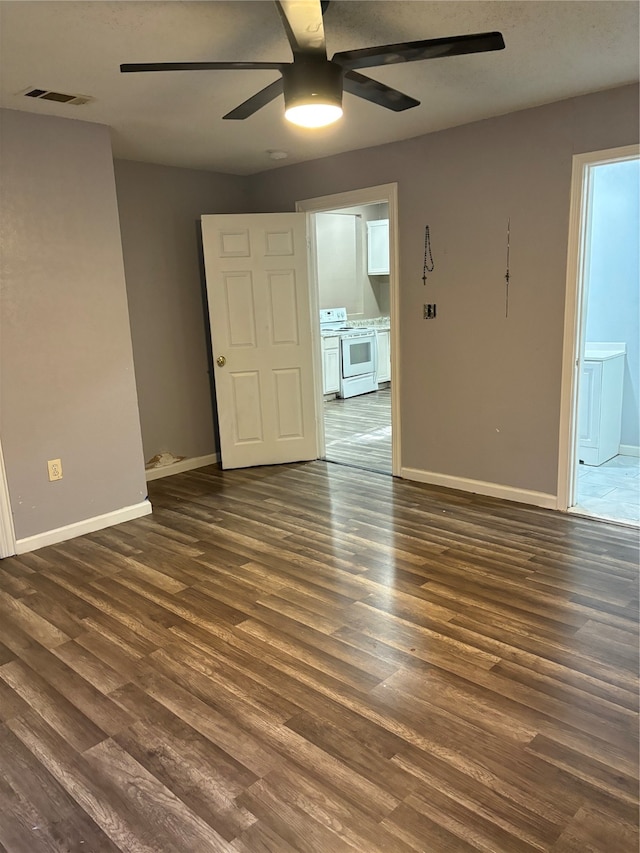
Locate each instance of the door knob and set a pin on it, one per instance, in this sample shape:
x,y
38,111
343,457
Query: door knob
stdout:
x,y
221,361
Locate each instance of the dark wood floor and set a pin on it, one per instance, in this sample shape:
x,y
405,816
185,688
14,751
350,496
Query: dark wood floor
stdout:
x,y
358,430
314,658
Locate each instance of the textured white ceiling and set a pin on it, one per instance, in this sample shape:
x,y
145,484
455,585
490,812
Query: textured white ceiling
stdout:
x,y
554,50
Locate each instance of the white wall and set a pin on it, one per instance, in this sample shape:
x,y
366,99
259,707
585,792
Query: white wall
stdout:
x,y
613,308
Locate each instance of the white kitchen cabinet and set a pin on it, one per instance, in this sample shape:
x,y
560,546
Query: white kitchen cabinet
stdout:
x,y
384,355
600,404
331,364
378,247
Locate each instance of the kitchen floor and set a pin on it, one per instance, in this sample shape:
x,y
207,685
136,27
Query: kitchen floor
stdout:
x,y
611,490
358,431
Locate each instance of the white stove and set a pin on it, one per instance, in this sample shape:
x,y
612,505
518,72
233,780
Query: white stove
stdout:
x,y
358,352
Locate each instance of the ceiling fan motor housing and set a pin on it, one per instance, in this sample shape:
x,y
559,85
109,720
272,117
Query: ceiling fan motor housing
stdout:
x,y
311,81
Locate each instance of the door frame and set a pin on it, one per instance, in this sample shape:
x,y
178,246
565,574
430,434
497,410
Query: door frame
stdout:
x,y
354,198
575,309
7,532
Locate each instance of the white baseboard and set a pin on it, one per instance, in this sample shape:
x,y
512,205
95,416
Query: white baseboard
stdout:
x,y
183,465
629,450
80,528
479,487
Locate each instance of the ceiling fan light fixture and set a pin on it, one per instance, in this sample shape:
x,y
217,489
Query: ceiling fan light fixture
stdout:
x,y
313,114
313,93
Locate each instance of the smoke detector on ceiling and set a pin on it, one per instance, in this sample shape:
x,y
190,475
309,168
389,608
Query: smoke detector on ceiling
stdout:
x,y
59,97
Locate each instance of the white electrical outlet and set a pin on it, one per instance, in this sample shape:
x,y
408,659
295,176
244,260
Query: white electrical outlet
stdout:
x,y
55,469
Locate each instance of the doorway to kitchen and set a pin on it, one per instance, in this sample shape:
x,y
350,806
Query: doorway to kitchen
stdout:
x,y
353,281
602,340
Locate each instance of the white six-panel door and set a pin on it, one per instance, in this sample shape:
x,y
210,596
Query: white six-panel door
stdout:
x,y
256,272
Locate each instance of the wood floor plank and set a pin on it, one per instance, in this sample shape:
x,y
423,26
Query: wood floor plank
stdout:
x,y
92,669
611,779
312,658
535,820
593,830
109,807
84,696
223,732
310,795
464,823
67,720
176,762
55,816
292,824
155,805
17,612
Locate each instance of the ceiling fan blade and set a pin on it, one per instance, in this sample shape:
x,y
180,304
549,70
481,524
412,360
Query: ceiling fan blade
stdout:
x,y
302,20
257,101
199,66
377,93
411,51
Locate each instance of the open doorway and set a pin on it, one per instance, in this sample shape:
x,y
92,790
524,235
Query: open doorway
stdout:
x,y
353,283
603,478
352,275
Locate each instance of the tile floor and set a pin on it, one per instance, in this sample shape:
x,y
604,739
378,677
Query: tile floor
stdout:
x,y
611,490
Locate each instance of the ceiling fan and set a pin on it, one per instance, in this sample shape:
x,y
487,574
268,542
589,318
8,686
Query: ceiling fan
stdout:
x,y
313,84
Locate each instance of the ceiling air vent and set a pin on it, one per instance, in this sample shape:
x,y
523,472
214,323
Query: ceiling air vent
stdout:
x,y
60,97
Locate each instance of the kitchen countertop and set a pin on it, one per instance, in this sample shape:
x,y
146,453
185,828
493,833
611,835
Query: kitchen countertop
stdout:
x,y
382,323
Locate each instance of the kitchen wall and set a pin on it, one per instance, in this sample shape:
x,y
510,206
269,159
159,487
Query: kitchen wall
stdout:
x,y
160,209
613,310
67,378
480,392
341,243
339,261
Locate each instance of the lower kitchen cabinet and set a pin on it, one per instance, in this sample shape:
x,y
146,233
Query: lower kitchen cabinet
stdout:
x,y
331,365
384,355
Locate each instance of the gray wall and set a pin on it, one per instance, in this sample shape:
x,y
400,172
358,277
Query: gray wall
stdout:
x,y
67,380
160,210
480,394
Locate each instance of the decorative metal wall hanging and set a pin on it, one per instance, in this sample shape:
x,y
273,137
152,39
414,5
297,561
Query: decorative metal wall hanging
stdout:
x,y
428,266
508,275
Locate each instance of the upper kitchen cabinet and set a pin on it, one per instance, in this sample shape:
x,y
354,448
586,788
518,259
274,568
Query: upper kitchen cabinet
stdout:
x,y
378,247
